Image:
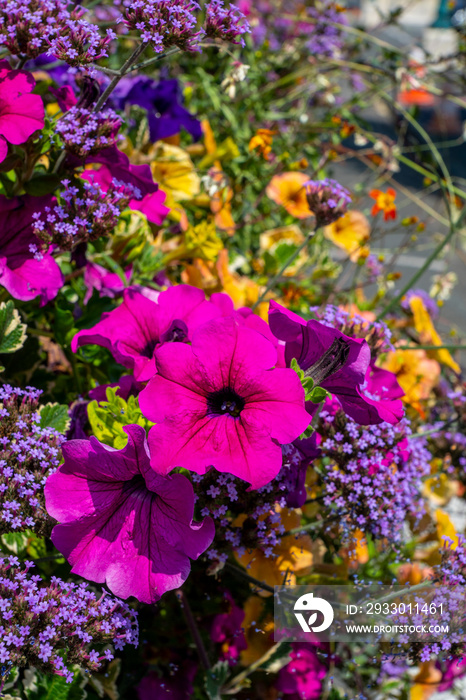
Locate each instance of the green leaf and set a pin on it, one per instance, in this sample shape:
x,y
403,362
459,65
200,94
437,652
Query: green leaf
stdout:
x,y
319,394
64,325
55,415
15,542
39,686
12,331
215,679
42,184
108,418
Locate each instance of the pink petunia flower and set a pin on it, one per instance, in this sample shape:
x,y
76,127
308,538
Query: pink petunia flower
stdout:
x,y
219,403
24,271
21,114
108,284
302,677
133,330
122,524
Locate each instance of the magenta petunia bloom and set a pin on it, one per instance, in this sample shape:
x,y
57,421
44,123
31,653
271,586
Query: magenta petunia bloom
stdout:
x,y
24,271
336,362
120,522
228,631
21,114
219,403
133,330
302,677
108,284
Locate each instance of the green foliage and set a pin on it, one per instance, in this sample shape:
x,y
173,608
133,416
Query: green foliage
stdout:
x,y
55,415
316,394
64,329
38,686
215,679
108,418
12,331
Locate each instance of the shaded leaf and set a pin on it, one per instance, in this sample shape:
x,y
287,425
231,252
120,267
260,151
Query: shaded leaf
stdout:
x,y
12,331
55,415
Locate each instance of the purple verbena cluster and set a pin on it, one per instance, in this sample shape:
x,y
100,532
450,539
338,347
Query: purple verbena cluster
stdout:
x,y
30,27
164,23
85,133
51,627
324,38
83,213
374,476
227,23
377,334
28,455
328,200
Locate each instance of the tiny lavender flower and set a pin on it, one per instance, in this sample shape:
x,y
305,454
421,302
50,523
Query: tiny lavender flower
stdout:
x,y
83,214
40,622
85,133
164,23
30,27
327,199
225,23
28,454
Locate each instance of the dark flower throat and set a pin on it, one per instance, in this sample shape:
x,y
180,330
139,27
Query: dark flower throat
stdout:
x,y
331,361
225,402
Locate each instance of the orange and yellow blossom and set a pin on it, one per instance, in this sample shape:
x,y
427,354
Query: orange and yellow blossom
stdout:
x,y
293,555
349,232
428,335
288,190
416,374
262,142
384,201
258,630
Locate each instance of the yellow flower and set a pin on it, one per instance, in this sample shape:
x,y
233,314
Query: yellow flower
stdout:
x,y
428,335
258,630
262,142
288,190
416,374
349,232
291,556
243,291
290,236
200,241
174,171
220,204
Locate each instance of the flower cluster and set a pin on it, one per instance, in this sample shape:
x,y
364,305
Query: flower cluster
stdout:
x,y
30,27
52,627
324,39
375,474
327,199
164,23
376,333
28,455
83,214
85,133
227,23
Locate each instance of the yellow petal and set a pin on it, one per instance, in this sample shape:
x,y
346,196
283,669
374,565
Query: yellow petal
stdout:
x,y
424,326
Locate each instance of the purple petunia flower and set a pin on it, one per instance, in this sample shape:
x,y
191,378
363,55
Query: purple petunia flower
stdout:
x,y
108,284
21,114
339,364
163,101
120,522
24,271
303,676
133,330
218,403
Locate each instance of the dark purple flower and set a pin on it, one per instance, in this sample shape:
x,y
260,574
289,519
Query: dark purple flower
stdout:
x,y
120,522
227,630
335,362
24,271
163,101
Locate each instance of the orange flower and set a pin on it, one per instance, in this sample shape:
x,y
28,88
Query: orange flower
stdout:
x,y
416,374
349,232
262,142
384,201
288,189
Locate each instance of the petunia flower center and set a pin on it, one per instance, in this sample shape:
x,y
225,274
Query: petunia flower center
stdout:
x,y
176,333
225,402
331,361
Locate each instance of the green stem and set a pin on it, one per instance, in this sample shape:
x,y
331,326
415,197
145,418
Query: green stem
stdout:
x,y
433,256
285,265
116,79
